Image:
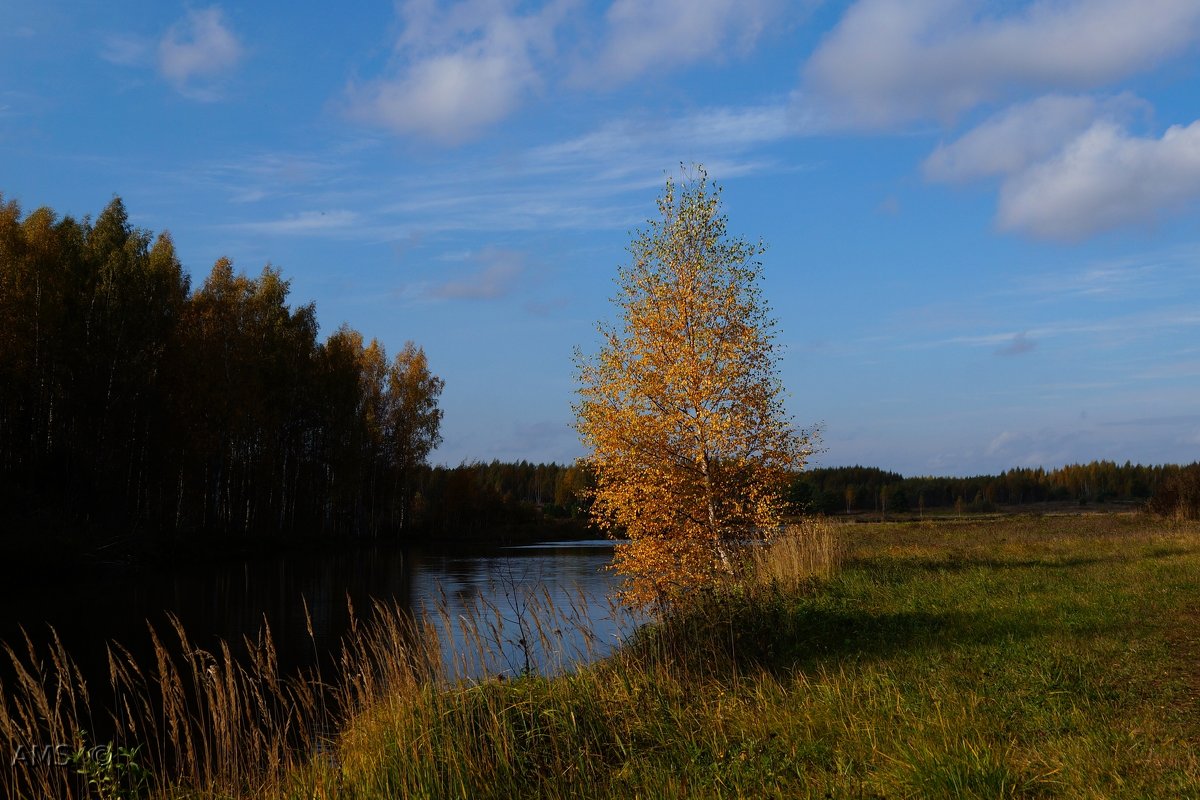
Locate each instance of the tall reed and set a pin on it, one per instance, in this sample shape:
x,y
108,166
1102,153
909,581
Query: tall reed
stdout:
x,y
810,548
228,725
392,714
194,717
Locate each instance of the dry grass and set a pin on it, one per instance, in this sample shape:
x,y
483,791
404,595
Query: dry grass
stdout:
x,y
391,715
213,724
221,725
811,548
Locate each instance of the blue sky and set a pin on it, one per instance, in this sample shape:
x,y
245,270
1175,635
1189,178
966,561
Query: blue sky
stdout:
x,y
982,217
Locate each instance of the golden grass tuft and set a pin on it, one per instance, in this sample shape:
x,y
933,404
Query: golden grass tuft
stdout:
x,y
808,549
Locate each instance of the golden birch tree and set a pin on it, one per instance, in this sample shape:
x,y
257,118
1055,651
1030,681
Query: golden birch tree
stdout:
x,y
682,407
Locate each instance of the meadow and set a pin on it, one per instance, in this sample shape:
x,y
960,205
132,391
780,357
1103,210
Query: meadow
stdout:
x,y
1001,656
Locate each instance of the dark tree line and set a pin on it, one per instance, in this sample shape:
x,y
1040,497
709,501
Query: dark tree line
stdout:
x,y
858,489
473,499
473,496
132,402
1178,493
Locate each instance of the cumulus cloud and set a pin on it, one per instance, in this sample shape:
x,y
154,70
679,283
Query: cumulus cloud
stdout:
x,y
1069,167
1022,135
195,51
1105,178
642,35
458,69
896,61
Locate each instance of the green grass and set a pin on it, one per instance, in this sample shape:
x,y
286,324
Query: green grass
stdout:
x,y
1019,657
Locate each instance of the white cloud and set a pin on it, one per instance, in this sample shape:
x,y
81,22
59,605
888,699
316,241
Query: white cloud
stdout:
x,y
1103,179
447,98
496,278
461,68
1169,371
1046,447
126,50
1115,330
1021,135
896,61
598,180
647,34
1070,168
1000,442
645,147
1160,273
305,223
458,69
198,48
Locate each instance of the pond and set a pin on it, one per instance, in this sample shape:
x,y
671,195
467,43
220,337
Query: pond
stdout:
x,y
483,599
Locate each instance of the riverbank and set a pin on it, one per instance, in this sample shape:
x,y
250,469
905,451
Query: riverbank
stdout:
x,y
1051,656
1013,657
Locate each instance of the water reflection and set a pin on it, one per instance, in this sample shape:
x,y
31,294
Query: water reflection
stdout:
x,y
231,601
542,607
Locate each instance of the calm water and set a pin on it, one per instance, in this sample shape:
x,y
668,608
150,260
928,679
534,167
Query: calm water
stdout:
x,y
230,601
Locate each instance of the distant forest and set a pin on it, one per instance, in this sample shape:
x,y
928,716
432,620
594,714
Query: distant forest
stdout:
x,y
526,492
857,489
136,408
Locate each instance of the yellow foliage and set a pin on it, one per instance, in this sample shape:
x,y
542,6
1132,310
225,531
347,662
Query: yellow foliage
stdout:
x,y
682,407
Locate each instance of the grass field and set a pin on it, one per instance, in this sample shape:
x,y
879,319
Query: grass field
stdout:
x,y
1018,656
1047,656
